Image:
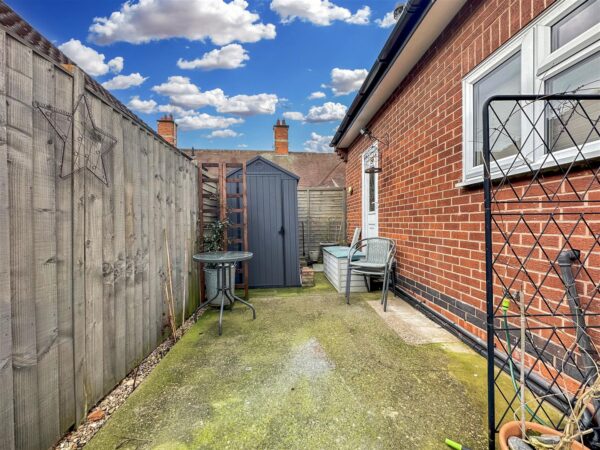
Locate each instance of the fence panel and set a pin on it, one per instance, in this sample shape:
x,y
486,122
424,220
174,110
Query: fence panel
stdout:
x,y
322,218
86,194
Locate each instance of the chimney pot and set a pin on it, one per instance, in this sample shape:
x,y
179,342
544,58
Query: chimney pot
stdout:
x,y
280,134
167,129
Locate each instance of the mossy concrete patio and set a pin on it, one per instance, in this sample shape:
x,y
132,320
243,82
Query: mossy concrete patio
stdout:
x,y
310,373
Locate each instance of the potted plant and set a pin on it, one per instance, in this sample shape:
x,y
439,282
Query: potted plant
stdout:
x,y
534,432
214,239
522,434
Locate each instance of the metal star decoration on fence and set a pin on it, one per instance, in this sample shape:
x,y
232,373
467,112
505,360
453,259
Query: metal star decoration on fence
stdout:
x,y
89,145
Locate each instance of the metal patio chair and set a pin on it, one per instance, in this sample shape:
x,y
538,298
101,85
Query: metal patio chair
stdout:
x,y
355,236
378,262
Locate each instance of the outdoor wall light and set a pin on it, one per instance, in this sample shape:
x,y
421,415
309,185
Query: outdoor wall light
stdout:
x,y
371,158
368,133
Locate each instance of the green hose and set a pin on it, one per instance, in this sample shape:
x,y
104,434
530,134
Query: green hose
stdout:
x,y
505,305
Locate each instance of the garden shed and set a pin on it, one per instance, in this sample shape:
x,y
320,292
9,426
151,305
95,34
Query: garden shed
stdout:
x,y
272,224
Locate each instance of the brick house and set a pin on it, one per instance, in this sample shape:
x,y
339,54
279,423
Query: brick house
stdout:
x,y
314,169
418,115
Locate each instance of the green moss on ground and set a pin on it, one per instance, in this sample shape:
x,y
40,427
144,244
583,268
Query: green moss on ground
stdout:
x,y
310,373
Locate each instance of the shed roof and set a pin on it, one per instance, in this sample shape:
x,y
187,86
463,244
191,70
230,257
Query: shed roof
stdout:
x,y
270,164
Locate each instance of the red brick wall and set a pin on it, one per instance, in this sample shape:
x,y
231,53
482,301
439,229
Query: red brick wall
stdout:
x,y
438,226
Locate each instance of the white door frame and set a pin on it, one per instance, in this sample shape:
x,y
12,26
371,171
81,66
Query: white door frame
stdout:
x,y
370,220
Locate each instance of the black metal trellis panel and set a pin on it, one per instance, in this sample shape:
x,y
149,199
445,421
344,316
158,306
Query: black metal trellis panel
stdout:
x,y
542,205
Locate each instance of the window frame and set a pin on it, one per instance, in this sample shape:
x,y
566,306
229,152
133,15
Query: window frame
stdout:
x,y
538,64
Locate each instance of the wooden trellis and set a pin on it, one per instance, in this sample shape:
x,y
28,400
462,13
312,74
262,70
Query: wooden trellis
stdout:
x,y
224,197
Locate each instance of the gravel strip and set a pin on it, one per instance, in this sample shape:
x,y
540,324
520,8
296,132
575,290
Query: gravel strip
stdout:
x,y
100,413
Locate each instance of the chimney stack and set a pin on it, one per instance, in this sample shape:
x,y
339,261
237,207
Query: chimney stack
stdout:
x,y
280,132
167,129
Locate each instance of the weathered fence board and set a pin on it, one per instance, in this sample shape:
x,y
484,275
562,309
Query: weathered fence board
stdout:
x,y
82,402
7,422
144,262
20,179
109,262
44,257
137,246
81,260
93,274
321,216
64,264
119,245
129,243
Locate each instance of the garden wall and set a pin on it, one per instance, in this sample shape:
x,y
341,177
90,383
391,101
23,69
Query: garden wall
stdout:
x,y
82,254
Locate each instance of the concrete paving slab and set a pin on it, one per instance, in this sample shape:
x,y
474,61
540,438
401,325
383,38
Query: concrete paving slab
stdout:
x,y
411,325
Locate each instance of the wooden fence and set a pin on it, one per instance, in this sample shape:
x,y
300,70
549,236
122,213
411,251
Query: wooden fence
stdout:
x,y
81,261
321,216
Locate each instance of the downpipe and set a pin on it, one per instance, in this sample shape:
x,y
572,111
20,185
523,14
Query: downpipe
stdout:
x,y
590,419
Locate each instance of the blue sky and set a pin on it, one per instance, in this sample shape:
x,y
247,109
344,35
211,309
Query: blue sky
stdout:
x,y
227,69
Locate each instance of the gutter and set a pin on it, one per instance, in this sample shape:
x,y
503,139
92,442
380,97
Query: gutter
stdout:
x,y
412,15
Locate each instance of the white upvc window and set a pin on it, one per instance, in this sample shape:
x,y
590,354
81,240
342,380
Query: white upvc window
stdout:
x,y
559,52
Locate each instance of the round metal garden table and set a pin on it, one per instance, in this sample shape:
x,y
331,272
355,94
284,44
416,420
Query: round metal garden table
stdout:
x,y
223,262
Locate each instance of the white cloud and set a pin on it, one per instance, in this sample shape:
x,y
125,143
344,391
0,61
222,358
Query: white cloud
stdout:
x,y
182,92
147,20
318,143
116,64
328,112
317,94
387,21
249,104
223,134
361,17
89,59
143,106
124,81
242,146
150,106
293,115
345,81
231,56
178,111
206,122
319,12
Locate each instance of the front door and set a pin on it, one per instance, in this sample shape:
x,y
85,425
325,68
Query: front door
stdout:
x,y
370,197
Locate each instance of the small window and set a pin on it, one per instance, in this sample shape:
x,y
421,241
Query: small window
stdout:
x,y
557,53
583,78
504,79
575,23
372,188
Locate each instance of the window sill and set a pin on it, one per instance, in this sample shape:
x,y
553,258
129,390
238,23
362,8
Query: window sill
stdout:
x,y
563,158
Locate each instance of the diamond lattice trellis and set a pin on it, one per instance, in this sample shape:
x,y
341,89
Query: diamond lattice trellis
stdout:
x,y
542,206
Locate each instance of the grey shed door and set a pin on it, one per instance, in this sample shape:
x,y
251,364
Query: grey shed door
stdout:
x,y
265,231
272,194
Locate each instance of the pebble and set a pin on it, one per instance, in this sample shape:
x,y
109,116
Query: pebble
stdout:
x,y
515,443
78,438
